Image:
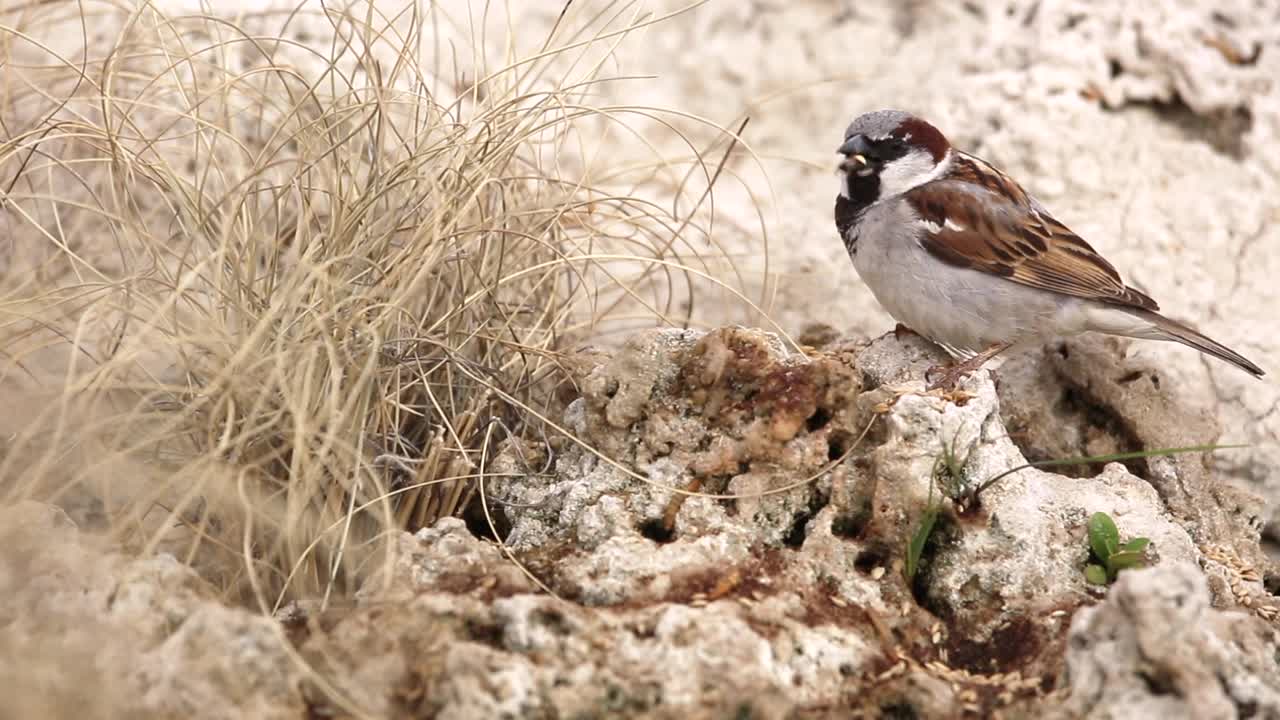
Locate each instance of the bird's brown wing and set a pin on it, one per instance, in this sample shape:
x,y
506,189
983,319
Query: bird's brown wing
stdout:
x,y
1013,237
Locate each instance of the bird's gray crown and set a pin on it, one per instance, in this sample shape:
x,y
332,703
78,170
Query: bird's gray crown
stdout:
x,y
876,125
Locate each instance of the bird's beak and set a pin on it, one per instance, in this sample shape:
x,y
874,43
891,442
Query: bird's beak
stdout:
x,y
854,151
853,163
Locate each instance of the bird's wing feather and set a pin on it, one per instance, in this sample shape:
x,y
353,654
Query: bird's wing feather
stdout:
x,y
1014,238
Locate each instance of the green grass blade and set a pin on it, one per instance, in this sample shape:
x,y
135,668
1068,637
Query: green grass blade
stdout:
x,y
915,546
1115,457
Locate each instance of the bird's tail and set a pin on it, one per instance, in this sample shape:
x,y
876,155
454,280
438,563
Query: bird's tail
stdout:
x,y
1162,328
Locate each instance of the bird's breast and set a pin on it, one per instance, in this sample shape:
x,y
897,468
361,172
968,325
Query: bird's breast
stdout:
x,y
957,307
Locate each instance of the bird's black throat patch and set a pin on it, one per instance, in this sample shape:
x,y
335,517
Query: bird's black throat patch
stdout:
x,y
863,191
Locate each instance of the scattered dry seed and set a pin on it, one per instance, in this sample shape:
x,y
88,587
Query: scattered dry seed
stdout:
x,y
877,572
937,638
726,585
839,601
897,669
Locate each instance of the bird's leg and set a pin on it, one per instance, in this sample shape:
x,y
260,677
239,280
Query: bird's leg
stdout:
x,y
948,376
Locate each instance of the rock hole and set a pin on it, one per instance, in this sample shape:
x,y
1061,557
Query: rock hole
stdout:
x,y
851,524
473,515
1271,583
901,710
484,633
1157,683
1130,377
657,531
795,536
553,620
837,444
869,560
800,524
818,420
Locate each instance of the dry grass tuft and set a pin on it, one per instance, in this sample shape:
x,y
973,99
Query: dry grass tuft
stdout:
x,y
264,300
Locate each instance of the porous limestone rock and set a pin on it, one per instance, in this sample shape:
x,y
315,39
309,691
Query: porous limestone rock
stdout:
x,y
724,612
1157,648
740,605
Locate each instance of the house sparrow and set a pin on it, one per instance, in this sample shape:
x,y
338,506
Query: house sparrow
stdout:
x,y
957,251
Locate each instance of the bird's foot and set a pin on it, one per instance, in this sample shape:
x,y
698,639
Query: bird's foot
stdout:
x,y
946,377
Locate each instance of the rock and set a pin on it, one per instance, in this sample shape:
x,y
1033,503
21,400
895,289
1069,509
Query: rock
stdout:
x,y
139,637
727,611
729,412
221,663
1157,648
781,590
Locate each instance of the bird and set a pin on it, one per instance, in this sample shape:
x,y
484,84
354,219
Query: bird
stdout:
x,y
958,252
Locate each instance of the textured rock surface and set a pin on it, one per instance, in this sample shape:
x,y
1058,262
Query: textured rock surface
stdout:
x,y
717,605
1123,661
742,602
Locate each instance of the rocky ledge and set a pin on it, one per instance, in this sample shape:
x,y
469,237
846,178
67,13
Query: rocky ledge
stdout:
x,y
734,530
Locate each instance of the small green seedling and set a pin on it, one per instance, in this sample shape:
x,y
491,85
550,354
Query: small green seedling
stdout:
x,y
1111,556
915,545
947,471
948,476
